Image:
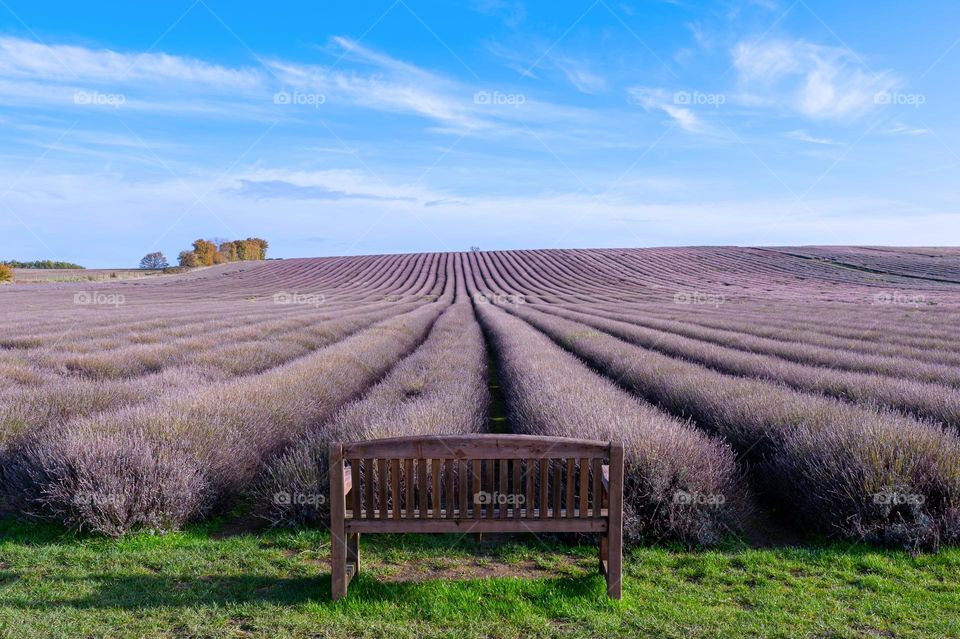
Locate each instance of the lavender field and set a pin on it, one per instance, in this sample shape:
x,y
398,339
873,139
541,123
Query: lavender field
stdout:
x,y
818,388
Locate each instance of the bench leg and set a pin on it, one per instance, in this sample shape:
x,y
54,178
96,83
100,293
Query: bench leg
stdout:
x,y
338,539
353,552
615,564
338,563
604,553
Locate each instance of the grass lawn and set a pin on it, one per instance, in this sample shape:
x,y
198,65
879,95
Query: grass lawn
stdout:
x,y
276,584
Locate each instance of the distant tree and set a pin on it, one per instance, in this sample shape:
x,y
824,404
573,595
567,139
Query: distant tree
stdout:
x,y
6,273
474,249
154,261
188,259
261,247
229,251
204,250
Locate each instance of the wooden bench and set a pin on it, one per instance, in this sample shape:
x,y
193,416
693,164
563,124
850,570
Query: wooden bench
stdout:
x,y
475,484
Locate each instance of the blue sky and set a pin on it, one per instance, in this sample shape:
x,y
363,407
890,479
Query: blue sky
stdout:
x,y
381,127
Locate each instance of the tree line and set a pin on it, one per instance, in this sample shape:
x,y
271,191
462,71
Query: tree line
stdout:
x,y
210,252
47,264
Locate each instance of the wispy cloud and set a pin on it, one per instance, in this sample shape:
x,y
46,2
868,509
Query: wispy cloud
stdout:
x,y
653,99
817,81
580,76
67,63
803,136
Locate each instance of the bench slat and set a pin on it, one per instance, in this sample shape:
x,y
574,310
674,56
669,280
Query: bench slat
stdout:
x,y
408,480
382,484
424,507
395,486
435,485
478,447
504,488
517,490
597,487
584,487
477,487
462,480
368,488
357,495
557,480
464,526
544,487
530,494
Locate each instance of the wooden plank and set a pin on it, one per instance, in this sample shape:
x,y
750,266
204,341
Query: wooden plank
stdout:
x,y
516,491
544,487
478,446
571,483
409,479
435,485
356,489
395,487
529,469
368,488
382,479
597,487
486,525
450,489
477,487
462,478
504,485
424,507
584,487
490,471
338,545
557,480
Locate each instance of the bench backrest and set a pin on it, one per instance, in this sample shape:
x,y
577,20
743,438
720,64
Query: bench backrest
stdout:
x,y
474,477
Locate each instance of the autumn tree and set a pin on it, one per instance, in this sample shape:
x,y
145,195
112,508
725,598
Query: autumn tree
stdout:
x,y
188,259
229,251
205,251
6,273
154,261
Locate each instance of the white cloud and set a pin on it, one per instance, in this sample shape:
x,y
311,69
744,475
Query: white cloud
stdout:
x,y
817,81
68,63
652,99
803,136
580,76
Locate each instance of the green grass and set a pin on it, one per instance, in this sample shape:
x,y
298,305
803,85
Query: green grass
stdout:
x,y
276,584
